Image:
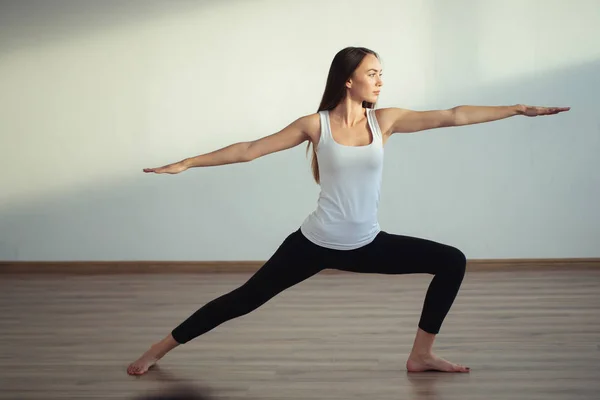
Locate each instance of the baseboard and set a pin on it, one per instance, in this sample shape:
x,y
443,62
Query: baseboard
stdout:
x,y
176,267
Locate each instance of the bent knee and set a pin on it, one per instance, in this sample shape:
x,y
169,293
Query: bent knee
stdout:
x,y
458,261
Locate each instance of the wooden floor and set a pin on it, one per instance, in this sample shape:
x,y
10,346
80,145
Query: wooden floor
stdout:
x,y
526,335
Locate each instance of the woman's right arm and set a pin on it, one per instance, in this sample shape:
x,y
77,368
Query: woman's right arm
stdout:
x,y
290,136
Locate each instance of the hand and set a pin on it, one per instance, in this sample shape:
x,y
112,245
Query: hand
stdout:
x,y
174,168
532,111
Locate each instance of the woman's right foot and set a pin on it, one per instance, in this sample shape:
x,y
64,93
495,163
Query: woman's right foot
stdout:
x,y
147,360
150,357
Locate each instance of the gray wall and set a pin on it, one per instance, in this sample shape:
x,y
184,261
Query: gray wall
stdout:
x,y
93,92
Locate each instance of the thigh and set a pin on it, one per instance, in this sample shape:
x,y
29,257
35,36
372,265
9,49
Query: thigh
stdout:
x,y
400,254
294,261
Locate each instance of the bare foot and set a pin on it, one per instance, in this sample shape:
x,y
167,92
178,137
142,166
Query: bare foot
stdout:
x,y
150,357
433,363
147,360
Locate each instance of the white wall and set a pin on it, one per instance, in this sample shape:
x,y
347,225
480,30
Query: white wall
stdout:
x,y
92,93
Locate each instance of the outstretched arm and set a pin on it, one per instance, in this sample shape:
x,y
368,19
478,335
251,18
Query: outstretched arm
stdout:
x,y
468,115
290,136
413,121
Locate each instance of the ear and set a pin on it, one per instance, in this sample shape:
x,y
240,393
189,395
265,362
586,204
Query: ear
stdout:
x,y
349,83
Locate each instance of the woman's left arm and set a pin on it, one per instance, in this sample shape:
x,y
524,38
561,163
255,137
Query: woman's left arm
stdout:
x,y
469,115
404,121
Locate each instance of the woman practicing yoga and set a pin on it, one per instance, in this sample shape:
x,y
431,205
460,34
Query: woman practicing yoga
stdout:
x,y
347,135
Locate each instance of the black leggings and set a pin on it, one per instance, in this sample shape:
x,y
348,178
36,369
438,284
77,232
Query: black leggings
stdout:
x,y
297,259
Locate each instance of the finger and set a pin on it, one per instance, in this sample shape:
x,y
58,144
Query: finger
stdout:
x,y
560,109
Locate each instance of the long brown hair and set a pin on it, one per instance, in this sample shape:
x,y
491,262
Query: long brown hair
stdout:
x,y
343,65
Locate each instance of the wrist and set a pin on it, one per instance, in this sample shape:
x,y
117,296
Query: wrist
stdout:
x,y
186,163
519,109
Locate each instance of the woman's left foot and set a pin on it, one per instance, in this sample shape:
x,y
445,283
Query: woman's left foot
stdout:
x,y
433,363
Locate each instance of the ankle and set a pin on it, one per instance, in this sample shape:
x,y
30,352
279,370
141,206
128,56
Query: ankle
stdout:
x,y
423,344
420,354
164,346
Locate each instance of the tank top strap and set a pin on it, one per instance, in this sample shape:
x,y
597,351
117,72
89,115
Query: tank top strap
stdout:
x,y
372,119
325,127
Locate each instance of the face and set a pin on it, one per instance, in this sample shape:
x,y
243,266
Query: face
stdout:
x,y
365,83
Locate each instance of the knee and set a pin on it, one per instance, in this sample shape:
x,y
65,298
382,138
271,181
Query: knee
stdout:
x,y
457,262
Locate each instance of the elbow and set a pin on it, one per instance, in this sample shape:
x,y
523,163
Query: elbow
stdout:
x,y
247,153
453,117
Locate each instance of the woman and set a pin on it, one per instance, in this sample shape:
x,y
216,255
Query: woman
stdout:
x,y
348,136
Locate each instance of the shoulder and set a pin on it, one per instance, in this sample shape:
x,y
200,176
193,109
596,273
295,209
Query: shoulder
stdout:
x,y
387,117
311,126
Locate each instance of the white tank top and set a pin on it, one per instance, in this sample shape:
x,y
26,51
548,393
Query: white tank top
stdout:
x,y
347,207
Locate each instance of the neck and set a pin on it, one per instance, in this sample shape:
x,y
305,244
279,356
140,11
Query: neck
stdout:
x,y
349,112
